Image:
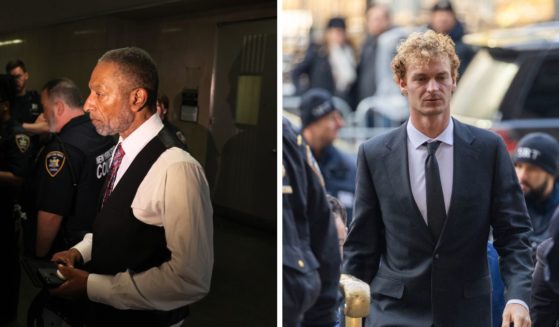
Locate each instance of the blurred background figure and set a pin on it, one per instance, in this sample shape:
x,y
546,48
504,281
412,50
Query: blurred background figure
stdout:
x,y
535,160
15,158
26,109
544,309
27,104
377,21
545,292
321,122
380,103
330,65
162,110
444,20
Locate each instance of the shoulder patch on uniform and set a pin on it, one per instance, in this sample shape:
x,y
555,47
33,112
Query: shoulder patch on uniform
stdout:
x,y
23,142
286,188
54,161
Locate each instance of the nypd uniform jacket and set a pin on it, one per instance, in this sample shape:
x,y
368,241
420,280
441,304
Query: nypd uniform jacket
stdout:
x,y
339,171
311,264
70,172
15,150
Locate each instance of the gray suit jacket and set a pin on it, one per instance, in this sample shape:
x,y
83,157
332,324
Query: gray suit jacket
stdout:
x,y
416,281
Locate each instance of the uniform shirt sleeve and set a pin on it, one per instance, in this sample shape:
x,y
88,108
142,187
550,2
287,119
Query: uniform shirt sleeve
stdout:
x,y
179,196
55,192
19,155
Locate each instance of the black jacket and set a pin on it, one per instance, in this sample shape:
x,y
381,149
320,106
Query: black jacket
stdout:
x,y
311,264
416,281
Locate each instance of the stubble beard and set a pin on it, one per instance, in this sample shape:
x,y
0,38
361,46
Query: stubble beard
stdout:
x,y
115,125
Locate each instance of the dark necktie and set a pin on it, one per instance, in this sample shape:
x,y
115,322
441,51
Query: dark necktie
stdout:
x,y
117,159
436,212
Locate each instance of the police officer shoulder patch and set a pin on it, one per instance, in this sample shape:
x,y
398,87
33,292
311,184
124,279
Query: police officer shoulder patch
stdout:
x,y
54,161
286,189
23,142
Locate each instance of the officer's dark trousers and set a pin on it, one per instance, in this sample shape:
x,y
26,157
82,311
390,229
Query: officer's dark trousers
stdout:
x,y
10,272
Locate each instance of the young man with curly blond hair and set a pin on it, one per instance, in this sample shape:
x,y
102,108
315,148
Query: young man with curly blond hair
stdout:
x,y
427,194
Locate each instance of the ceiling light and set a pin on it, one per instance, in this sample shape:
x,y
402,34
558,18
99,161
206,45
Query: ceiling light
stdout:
x,y
10,42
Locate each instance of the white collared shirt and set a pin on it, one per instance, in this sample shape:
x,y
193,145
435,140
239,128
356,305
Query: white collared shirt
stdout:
x,y
417,154
135,142
174,194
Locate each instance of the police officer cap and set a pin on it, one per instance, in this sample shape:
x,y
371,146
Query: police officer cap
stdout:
x,y
336,22
442,6
315,104
539,149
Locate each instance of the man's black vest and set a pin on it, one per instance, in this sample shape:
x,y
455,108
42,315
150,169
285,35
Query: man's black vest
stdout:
x,y
122,242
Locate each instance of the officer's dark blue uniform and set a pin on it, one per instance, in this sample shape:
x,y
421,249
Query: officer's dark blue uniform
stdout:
x,y
311,264
69,174
27,107
15,158
338,170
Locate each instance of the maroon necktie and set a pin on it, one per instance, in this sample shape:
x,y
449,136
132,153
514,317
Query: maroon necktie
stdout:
x,y
117,159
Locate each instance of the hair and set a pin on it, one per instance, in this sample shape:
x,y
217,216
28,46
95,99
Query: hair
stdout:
x,y
7,88
420,48
14,64
337,208
138,66
65,89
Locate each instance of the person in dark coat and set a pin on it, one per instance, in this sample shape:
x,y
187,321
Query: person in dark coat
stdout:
x,y
15,159
444,20
544,309
321,123
331,65
311,261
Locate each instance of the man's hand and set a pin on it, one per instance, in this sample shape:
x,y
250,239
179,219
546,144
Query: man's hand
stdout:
x,y
75,286
517,315
68,257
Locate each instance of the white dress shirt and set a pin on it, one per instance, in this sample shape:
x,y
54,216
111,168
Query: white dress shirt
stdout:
x,y
417,154
174,194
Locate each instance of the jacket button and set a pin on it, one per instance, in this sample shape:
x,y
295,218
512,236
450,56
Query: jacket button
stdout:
x,y
301,263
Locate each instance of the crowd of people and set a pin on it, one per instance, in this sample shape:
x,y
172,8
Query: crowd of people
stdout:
x,y
446,227
362,76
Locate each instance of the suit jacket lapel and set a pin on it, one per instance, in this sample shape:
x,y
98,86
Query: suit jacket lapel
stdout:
x,y
396,163
465,159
